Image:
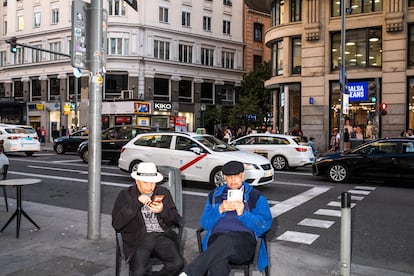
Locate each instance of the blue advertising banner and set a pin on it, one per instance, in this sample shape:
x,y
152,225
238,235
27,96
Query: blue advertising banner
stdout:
x,y
358,91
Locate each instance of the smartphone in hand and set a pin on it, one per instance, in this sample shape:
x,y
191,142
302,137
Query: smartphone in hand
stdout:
x,y
158,198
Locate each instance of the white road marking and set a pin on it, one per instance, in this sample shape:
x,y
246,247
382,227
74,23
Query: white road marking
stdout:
x,y
316,223
65,161
73,171
357,198
359,192
298,237
365,188
328,212
290,203
338,204
294,184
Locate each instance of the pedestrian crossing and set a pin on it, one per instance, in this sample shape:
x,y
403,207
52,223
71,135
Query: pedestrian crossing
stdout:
x,y
326,217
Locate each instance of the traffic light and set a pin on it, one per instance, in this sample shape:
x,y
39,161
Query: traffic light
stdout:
x,y
383,108
13,46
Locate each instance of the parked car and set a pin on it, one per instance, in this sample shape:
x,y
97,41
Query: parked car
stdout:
x,y
199,157
391,158
283,151
19,139
70,143
113,139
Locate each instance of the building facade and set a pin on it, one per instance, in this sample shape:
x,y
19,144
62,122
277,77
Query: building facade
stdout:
x,y
165,63
305,38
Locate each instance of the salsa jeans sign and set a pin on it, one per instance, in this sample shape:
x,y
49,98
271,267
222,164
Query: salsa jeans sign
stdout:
x,y
358,91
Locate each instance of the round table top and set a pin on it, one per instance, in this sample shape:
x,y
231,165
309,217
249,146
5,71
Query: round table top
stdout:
x,y
19,181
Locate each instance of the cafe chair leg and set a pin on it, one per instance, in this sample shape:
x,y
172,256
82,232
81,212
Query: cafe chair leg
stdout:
x,y
5,199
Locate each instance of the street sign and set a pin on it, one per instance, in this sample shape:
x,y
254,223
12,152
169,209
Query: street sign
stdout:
x,y
79,42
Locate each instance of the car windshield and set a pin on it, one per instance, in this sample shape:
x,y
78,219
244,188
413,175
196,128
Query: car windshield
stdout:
x,y
214,144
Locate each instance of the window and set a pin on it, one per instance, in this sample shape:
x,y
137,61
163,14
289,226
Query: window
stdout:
x,y
207,23
5,27
227,2
20,23
36,19
410,105
19,56
116,7
411,3
257,60
161,49
258,32
226,27
277,13
207,92
2,58
36,89
227,94
55,47
277,58
357,6
54,92
411,45
185,19
36,54
163,15
185,91
227,59
296,55
161,89
363,48
55,16
295,10
114,84
118,46
183,143
18,89
185,53
207,56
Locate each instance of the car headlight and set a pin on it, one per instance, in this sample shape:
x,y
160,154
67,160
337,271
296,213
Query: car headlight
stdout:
x,y
249,166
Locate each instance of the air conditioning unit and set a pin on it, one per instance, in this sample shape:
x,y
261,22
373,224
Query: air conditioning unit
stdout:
x,y
126,94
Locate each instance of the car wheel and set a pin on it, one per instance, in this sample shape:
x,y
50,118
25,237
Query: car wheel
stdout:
x,y
217,177
134,166
279,163
338,173
85,155
60,149
29,153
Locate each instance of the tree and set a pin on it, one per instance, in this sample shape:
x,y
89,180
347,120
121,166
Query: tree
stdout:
x,y
255,99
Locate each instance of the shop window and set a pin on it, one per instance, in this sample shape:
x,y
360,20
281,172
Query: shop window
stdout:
x,y
363,48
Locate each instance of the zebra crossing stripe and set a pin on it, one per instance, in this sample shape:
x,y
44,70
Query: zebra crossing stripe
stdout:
x,y
338,204
357,198
316,223
370,188
298,237
328,212
359,192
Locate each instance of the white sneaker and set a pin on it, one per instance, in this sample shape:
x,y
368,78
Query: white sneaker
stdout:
x,y
183,274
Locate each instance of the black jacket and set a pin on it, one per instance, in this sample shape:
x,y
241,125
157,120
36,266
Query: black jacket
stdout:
x,y
127,217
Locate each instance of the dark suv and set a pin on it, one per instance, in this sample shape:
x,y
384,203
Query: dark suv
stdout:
x,y
113,139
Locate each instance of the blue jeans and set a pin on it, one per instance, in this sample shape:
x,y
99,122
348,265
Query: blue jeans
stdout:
x,y
223,249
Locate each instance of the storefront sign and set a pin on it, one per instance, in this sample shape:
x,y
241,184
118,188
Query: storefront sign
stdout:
x,y
358,91
162,106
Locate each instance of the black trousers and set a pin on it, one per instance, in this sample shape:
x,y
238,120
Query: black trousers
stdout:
x,y
223,248
162,247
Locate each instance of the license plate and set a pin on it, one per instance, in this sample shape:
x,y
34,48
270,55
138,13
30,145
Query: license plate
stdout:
x,y
28,138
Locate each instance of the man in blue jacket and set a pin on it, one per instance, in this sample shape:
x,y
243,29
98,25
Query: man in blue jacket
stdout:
x,y
234,216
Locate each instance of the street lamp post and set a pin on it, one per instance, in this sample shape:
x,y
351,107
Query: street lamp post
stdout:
x,y
342,77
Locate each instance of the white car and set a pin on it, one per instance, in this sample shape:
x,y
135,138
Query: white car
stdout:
x,y
19,139
199,157
283,151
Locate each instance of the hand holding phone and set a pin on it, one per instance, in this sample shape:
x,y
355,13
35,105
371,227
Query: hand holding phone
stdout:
x,y
158,198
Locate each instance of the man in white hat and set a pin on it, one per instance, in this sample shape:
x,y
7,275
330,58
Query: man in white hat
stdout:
x,y
145,215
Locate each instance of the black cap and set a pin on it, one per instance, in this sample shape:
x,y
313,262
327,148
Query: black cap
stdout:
x,y
233,168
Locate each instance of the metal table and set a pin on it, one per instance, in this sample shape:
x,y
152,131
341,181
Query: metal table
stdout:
x,y
19,183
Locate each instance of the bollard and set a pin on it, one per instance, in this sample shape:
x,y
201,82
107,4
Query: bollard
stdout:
x,y
346,234
173,182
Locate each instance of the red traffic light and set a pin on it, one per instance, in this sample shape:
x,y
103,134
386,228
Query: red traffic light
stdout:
x,y
383,108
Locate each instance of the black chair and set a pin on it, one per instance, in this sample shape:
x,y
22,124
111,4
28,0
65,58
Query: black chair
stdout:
x,y
246,266
5,168
153,261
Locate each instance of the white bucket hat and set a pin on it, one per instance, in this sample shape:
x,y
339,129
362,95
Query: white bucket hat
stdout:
x,y
147,172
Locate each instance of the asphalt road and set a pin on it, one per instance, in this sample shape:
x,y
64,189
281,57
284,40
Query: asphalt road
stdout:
x,y
306,209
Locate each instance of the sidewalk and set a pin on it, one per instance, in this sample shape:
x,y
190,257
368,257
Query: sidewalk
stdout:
x,y
61,247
